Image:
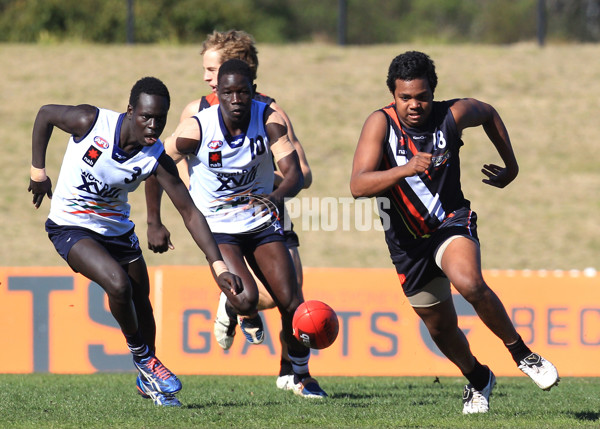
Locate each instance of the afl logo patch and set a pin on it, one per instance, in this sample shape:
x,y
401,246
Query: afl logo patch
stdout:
x,y
100,142
215,160
215,144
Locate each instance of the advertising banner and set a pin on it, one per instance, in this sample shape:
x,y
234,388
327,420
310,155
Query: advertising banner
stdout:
x,y
56,321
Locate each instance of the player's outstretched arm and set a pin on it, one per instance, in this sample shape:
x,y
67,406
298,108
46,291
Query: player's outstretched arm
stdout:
x,y
159,237
168,178
187,135
469,112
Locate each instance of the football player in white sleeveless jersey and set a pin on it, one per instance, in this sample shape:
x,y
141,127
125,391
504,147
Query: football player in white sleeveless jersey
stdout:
x,y
108,155
218,47
230,148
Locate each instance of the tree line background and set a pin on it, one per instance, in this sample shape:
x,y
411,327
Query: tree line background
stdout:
x,y
285,21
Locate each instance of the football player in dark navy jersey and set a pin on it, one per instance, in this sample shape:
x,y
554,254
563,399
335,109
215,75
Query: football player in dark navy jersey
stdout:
x,y
408,157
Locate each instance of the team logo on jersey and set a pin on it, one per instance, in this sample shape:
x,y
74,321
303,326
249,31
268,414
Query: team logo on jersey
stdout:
x,y
236,180
91,185
91,156
215,160
215,144
100,142
437,161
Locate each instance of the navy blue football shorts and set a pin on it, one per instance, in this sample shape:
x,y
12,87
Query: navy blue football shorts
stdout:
x,y
249,241
291,239
124,248
416,265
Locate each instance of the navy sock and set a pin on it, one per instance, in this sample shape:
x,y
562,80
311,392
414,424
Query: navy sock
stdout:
x,y
479,376
285,367
518,350
299,362
137,346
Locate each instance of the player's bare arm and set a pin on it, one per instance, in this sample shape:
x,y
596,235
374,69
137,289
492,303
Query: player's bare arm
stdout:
x,y
366,180
184,140
469,112
190,110
159,237
286,158
168,178
75,120
306,171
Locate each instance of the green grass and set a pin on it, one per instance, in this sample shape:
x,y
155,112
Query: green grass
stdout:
x,y
109,400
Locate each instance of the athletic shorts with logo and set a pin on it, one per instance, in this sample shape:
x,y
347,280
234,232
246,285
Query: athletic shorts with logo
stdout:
x,y
124,248
415,260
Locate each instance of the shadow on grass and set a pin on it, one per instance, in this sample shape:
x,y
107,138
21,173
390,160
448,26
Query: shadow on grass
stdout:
x,y
350,395
588,416
213,405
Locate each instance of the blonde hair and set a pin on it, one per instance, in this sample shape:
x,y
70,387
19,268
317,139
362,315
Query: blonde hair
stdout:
x,y
233,44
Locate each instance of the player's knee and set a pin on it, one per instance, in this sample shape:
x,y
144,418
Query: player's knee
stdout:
x,y
118,288
474,290
441,327
291,306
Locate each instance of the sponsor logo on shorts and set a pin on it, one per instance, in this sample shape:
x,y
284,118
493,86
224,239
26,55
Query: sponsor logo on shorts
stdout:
x,y
91,156
135,242
277,226
215,160
215,144
100,142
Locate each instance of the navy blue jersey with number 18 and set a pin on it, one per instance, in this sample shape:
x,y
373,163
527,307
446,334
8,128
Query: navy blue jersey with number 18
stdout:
x,y
417,205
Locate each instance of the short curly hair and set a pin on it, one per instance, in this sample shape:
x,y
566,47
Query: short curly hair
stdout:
x,y
233,44
235,66
411,65
151,86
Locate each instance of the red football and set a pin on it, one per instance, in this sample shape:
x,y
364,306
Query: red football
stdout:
x,y
315,324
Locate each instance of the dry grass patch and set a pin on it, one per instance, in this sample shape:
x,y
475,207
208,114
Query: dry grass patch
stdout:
x,y
547,97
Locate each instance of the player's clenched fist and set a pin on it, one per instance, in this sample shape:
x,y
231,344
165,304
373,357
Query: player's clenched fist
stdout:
x,y
419,163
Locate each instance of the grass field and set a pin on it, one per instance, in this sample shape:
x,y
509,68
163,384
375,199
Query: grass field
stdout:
x,y
548,98
109,400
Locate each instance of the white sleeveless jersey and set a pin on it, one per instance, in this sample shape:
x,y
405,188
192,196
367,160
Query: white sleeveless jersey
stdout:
x,y
96,177
225,169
